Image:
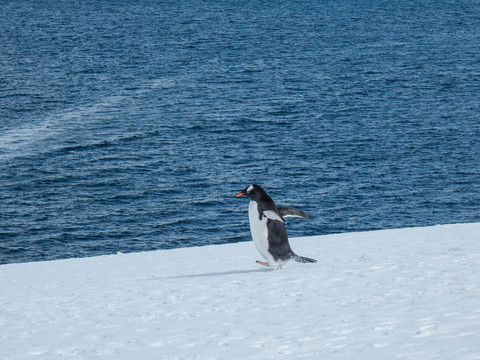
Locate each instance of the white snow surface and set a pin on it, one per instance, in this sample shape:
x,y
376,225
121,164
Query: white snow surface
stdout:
x,y
393,294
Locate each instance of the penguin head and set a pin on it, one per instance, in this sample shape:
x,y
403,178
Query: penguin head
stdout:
x,y
253,191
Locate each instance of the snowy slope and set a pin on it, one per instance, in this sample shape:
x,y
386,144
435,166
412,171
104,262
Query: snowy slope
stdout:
x,y
394,294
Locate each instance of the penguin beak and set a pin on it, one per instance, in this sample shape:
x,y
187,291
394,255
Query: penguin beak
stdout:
x,y
240,194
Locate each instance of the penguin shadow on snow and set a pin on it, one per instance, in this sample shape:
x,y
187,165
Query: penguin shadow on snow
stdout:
x,y
221,273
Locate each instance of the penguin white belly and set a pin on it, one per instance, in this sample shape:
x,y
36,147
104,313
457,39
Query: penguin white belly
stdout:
x,y
258,228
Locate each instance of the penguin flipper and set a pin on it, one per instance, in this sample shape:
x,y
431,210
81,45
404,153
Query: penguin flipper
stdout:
x,y
288,211
272,215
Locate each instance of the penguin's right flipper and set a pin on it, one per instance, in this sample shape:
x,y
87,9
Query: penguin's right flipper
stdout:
x,y
302,259
287,211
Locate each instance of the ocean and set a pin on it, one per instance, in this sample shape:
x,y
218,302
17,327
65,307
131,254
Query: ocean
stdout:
x,y
130,125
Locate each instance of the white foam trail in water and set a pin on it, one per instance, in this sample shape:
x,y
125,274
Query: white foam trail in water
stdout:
x,y
24,140
20,141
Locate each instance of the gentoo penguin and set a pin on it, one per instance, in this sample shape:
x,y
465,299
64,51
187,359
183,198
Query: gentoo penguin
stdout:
x,y
267,226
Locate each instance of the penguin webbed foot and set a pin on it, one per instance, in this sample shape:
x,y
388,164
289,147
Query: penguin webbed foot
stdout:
x,y
264,263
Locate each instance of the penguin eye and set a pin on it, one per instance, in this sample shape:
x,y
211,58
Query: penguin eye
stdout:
x,y
249,189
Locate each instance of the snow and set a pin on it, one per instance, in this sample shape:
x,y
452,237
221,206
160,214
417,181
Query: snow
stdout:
x,y
392,294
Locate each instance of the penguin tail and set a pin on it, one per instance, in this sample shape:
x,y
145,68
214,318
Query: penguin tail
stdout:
x,y
302,259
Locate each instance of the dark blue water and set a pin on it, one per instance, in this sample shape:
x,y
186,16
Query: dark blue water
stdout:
x,y
130,125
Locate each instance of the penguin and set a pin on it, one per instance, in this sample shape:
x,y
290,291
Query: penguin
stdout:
x,y
267,226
